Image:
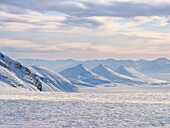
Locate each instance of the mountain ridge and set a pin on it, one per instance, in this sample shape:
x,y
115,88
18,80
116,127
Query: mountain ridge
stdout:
x,y
160,65
79,73
16,75
126,75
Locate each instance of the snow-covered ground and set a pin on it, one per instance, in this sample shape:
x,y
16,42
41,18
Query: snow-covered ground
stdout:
x,y
120,107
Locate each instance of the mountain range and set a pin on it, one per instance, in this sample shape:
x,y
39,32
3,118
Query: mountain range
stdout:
x,y
102,75
80,75
39,78
161,65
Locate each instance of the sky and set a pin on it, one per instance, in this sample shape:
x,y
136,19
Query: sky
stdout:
x,y
85,29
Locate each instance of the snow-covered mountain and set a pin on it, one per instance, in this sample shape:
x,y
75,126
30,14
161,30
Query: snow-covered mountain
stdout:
x,y
13,74
82,76
128,76
106,72
131,72
161,65
52,81
16,75
37,78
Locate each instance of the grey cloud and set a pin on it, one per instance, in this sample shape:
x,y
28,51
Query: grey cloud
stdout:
x,y
168,21
15,20
124,9
67,22
11,9
82,22
45,6
78,15
42,5
117,9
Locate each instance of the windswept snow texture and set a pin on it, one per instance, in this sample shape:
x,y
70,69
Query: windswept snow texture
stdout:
x,y
128,76
52,81
16,75
82,76
84,110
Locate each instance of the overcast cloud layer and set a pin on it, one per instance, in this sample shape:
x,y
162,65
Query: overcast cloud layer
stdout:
x,y
85,29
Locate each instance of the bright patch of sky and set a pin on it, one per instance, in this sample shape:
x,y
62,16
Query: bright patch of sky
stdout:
x,y
53,13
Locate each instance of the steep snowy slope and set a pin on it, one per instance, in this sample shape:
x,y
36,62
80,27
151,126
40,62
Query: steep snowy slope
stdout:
x,y
113,76
52,80
82,76
11,79
127,76
13,74
16,75
128,71
131,72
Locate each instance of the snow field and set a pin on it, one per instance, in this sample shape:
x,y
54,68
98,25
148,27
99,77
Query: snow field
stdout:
x,y
20,109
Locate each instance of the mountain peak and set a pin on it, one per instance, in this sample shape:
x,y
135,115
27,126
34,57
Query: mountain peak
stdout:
x,y
110,74
80,65
162,59
80,73
75,71
101,66
8,60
